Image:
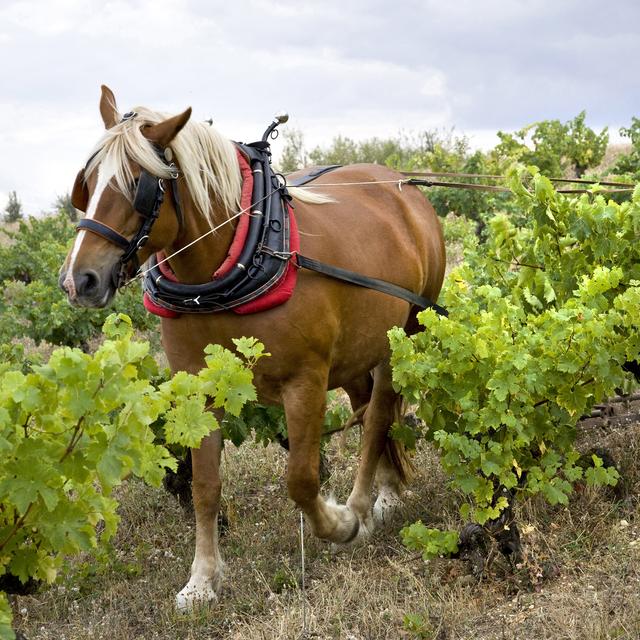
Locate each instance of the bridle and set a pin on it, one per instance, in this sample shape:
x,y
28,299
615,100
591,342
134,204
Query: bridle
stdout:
x,y
148,199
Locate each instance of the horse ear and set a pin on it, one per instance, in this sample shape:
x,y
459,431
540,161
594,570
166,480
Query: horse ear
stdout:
x,y
164,132
108,108
80,193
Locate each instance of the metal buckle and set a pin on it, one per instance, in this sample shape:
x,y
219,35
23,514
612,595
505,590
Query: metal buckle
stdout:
x,y
141,242
281,255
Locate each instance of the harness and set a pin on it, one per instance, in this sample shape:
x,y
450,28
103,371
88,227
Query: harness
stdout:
x,y
264,259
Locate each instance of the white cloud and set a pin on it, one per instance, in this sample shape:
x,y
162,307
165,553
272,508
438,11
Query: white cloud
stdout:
x,y
355,67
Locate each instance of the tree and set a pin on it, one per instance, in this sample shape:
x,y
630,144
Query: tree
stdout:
x,y
399,152
294,156
585,147
13,210
557,147
629,163
63,205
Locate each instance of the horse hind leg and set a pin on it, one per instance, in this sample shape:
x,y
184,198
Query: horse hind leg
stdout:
x,y
207,566
381,457
393,473
394,467
359,391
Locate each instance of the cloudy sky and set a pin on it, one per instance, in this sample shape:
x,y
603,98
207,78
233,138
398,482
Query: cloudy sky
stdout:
x,y
356,67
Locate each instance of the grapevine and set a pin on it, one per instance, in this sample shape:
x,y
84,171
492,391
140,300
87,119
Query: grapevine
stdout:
x,y
74,428
542,318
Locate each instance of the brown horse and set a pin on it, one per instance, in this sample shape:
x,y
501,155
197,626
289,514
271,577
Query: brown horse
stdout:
x,y
329,334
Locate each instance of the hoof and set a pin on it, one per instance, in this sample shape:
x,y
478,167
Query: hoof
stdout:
x,y
347,524
195,594
386,506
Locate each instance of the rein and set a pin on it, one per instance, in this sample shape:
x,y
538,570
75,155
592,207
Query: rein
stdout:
x,y
420,182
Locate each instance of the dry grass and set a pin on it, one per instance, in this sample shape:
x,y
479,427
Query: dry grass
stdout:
x,y
581,578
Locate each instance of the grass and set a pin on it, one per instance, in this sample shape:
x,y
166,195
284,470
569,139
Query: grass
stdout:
x,y
581,577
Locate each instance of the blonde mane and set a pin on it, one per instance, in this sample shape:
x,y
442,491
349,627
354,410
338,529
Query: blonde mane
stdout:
x,y
207,160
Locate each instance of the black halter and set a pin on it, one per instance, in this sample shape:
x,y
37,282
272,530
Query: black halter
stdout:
x,y
147,202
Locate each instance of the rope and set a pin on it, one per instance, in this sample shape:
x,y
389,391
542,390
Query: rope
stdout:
x,y
487,176
350,184
454,185
304,591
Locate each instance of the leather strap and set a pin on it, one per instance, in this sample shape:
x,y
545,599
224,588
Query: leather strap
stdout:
x,y
262,261
369,283
311,176
104,231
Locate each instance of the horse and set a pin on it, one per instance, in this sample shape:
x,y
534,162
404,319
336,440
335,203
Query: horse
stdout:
x,y
329,334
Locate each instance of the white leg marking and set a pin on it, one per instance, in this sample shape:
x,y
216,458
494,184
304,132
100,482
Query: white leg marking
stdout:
x,y
205,580
206,572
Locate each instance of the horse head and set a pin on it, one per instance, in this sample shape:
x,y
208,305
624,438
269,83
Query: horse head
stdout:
x,y
121,189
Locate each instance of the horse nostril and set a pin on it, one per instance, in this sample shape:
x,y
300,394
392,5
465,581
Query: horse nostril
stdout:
x,y
87,283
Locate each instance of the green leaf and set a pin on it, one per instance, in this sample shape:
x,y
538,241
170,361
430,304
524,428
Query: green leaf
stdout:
x,y
431,542
6,630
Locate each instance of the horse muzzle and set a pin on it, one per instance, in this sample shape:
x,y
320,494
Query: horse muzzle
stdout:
x,y
87,287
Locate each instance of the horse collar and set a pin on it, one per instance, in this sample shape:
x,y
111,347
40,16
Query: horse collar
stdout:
x,y
259,257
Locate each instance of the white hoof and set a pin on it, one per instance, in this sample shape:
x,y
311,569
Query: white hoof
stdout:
x,y
196,593
386,505
347,524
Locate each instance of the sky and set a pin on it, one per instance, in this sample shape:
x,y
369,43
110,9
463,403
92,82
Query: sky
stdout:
x,y
359,68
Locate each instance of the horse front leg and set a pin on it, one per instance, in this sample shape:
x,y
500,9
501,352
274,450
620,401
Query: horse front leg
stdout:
x,y
304,402
207,566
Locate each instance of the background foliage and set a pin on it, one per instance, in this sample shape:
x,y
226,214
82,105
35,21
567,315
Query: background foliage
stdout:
x,y
33,305
569,149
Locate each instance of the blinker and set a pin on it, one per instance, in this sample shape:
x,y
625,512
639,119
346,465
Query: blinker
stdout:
x,y
148,199
145,198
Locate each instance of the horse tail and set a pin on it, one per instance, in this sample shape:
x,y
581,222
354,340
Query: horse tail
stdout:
x,y
397,453
400,458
